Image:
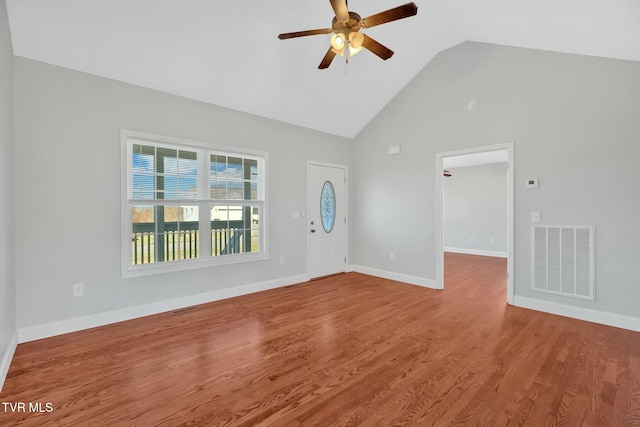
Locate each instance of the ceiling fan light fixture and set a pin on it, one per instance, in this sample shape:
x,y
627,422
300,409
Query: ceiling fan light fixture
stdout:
x,y
355,42
353,51
338,41
356,39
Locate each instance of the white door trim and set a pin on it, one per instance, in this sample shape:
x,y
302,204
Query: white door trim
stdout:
x,y
510,209
346,211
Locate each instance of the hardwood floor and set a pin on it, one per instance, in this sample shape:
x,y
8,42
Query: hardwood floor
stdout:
x,y
345,350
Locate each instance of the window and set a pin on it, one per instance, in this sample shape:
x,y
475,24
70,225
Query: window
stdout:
x,y
187,205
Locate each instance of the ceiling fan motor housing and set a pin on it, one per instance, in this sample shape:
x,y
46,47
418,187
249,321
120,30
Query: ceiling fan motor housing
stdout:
x,y
353,24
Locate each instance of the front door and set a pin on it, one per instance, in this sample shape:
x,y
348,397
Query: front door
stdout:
x,y
326,219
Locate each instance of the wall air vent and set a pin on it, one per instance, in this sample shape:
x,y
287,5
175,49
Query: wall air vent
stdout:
x,y
562,260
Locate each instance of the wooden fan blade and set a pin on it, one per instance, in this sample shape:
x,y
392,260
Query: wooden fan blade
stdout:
x,y
375,47
295,34
400,12
340,9
328,57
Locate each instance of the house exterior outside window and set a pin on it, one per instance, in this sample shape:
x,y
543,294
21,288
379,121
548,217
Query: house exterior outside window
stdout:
x,y
190,205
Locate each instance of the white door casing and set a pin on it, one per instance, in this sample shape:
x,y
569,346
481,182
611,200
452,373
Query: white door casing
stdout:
x,y
326,237
508,146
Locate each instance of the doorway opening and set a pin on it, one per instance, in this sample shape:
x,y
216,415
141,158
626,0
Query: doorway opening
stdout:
x,y
477,218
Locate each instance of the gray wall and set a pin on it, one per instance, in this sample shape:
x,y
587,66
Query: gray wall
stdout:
x,y
67,159
474,205
573,120
7,274
574,123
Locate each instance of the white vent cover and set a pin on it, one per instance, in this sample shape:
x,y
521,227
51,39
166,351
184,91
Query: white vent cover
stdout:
x,y
563,260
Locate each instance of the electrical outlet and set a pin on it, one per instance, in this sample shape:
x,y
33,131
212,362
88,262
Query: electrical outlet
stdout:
x,y
78,289
493,240
281,260
472,239
392,256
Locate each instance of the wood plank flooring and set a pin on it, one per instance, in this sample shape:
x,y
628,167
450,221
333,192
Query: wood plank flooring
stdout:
x,y
345,350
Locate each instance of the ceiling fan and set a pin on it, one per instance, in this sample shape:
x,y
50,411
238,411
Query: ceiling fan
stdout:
x,y
347,40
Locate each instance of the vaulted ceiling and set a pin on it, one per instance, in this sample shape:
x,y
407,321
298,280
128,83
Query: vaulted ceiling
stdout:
x,y
227,53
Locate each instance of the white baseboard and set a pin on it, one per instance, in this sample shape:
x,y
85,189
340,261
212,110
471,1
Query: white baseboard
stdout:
x,y
595,316
412,280
32,333
5,362
589,315
481,252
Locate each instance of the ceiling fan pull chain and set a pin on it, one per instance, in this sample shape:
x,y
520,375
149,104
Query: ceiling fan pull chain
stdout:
x,y
346,57
346,51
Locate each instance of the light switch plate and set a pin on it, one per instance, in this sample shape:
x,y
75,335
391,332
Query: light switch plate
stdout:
x,y
394,149
535,216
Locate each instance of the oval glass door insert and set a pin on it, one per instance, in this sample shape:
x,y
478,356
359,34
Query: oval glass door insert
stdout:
x,y
328,206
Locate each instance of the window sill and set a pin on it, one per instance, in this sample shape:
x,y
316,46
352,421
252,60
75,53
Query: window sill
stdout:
x,y
130,271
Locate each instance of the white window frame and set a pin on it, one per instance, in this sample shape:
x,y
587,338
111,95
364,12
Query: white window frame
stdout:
x,y
203,201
